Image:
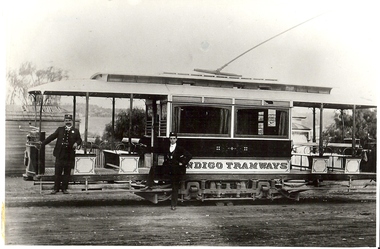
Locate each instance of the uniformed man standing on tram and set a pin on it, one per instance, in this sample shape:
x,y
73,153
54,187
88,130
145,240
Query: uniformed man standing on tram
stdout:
x,y
175,160
68,139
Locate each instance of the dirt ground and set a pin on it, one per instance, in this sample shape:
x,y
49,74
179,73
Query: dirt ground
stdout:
x,y
319,219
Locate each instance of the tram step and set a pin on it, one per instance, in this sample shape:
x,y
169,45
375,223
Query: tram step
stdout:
x,y
228,199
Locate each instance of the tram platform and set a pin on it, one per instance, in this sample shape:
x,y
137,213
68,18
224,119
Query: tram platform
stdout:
x,y
110,179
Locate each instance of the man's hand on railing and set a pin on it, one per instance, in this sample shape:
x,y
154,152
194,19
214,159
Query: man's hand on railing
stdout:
x,y
75,146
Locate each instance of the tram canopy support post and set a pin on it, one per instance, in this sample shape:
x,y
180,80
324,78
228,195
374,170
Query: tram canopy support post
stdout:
x,y
353,130
342,117
113,124
74,109
154,132
86,123
130,123
314,126
314,131
35,109
41,105
321,130
40,166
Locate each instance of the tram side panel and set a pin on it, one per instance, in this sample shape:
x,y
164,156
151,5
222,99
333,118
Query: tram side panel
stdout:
x,y
255,162
229,148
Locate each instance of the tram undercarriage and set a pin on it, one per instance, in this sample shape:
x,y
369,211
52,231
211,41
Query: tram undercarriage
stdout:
x,y
212,187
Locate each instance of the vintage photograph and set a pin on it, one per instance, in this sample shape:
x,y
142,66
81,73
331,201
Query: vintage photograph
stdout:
x,y
212,123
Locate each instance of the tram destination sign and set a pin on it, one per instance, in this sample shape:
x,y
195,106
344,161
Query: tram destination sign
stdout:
x,y
238,166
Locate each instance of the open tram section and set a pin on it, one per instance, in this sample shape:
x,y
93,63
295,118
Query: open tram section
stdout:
x,y
238,130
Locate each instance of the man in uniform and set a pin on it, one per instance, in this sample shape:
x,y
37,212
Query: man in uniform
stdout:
x,y
68,139
175,160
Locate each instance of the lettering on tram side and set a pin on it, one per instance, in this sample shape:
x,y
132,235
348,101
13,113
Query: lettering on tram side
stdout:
x,y
218,165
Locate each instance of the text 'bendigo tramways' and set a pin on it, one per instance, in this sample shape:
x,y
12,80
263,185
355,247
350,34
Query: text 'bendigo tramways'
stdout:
x,y
215,166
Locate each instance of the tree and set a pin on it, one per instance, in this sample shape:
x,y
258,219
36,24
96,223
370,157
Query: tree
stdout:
x,y
122,125
28,76
365,130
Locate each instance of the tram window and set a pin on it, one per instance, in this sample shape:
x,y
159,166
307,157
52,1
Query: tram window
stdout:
x,y
202,120
261,122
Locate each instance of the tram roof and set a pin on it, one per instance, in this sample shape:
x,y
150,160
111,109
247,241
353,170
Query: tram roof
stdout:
x,y
159,87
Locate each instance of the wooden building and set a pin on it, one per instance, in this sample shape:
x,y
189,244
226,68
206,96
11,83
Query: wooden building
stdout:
x,y
19,121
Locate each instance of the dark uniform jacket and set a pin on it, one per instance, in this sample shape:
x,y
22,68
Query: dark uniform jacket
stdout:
x,y
64,143
179,155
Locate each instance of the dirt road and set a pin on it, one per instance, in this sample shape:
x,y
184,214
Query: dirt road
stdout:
x,y
340,219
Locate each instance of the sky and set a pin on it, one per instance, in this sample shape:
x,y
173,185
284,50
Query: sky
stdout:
x,y
338,48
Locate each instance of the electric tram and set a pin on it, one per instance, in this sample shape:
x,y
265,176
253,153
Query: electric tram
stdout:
x,y
238,130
